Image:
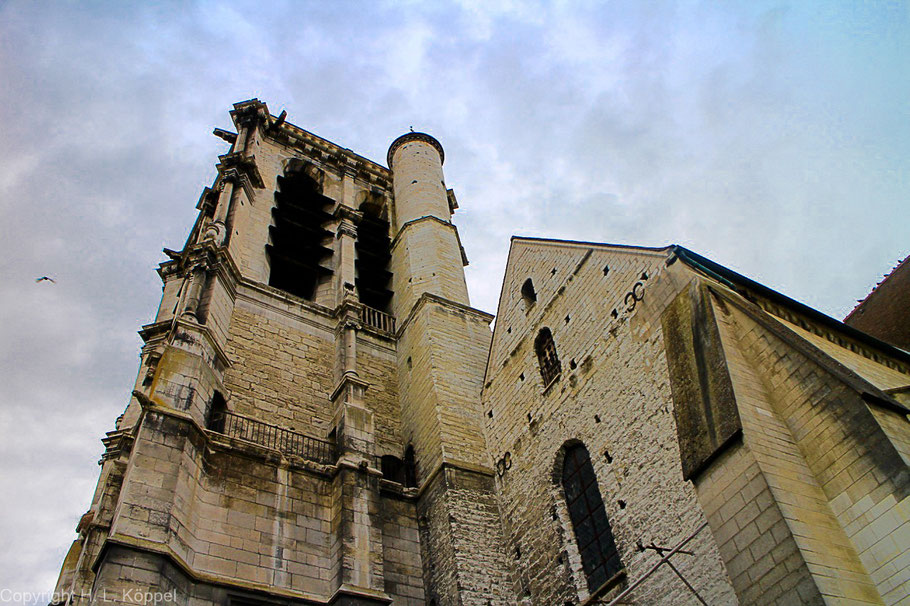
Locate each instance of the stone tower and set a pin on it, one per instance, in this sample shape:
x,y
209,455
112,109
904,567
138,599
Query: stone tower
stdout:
x,y
305,425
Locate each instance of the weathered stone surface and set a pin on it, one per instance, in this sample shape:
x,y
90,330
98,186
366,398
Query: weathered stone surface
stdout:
x,y
706,415
766,442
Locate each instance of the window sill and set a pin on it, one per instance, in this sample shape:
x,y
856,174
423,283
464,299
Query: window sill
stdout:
x,y
615,581
552,382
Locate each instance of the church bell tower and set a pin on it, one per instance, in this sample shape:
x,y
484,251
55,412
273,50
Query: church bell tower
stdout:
x,y
305,424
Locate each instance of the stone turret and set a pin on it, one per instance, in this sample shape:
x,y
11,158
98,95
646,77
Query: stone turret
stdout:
x,y
442,348
426,250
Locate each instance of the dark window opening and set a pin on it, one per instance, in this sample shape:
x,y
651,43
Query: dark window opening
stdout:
x,y
392,469
373,256
593,535
528,293
301,245
217,411
410,468
550,367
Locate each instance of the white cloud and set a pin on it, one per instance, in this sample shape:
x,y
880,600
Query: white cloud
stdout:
x,y
773,138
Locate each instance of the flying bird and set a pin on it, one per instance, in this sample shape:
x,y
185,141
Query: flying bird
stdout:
x,y
43,278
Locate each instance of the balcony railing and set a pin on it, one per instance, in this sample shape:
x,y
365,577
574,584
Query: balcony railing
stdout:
x,y
378,319
271,436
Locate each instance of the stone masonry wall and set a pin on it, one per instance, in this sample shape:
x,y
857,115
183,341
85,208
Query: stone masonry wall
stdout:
x,y
377,364
402,564
613,395
282,368
759,543
859,473
761,554
239,518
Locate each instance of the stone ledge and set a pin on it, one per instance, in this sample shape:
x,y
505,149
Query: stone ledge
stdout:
x,y
218,441
431,298
163,550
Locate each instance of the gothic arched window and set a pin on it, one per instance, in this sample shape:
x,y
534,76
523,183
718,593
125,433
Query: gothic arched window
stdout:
x,y
550,366
300,247
593,535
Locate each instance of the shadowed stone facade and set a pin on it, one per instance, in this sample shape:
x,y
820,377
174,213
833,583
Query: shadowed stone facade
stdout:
x,y
320,416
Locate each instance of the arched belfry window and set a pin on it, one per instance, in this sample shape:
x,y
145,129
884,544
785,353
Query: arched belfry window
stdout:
x,y
300,249
373,255
593,535
550,367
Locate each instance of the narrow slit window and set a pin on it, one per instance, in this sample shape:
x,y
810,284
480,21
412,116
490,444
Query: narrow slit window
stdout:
x,y
593,535
410,467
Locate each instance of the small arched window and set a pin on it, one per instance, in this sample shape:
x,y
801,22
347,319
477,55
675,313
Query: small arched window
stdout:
x,y
527,293
593,535
550,367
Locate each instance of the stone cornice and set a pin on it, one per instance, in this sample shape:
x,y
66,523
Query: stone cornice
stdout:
x,y
341,160
157,332
427,298
412,136
412,222
166,551
346,212
240,168
859,384
456,465
273,296
207,200
796,313
830,335
250,112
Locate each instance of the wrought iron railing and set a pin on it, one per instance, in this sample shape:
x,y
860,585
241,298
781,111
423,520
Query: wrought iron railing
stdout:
x,y
377,319
271,436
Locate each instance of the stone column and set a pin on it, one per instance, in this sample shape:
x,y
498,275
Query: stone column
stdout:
x,y
347,252
357,524
195,283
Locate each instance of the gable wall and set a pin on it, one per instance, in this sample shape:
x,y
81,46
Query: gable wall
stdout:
x,y
621,377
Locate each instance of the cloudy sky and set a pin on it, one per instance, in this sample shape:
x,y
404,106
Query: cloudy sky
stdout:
x,y
771,137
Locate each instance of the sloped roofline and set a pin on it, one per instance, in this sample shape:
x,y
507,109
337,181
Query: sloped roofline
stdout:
x,y
654,250
733,280
728,277
558,242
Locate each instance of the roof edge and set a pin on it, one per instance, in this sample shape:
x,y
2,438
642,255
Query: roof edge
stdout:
x,y
666,248
733,279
